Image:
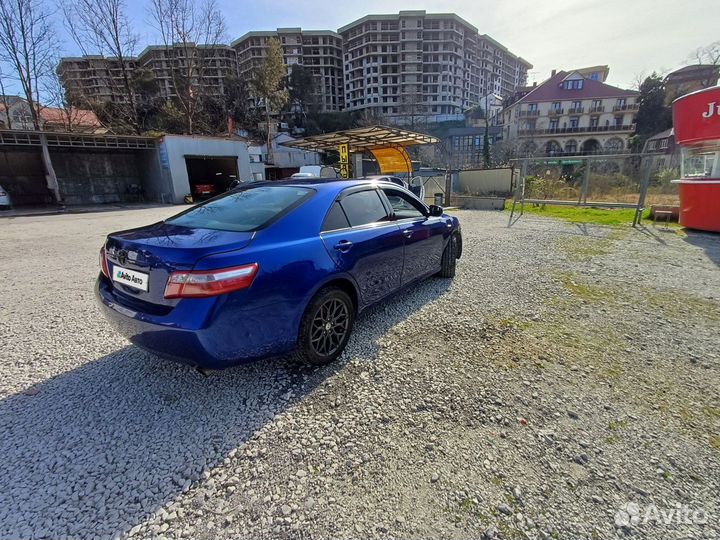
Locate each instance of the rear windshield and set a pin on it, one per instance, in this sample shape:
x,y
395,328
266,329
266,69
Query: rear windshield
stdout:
x,y
242,211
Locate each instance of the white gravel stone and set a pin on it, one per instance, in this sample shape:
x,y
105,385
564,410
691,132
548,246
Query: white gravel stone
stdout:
x,y
598,338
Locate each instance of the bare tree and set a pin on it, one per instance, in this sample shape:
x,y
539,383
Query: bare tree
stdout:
x,y
70,115
708,55
4,97
414,110
27,43
103,26
269,85
190,30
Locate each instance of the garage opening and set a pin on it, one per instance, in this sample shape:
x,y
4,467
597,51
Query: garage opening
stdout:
x,y
210,175
22,176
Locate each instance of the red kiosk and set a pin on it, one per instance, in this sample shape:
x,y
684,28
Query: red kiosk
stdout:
x,y
696,119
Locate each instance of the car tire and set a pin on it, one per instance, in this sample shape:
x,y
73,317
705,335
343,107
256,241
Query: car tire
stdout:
x,y
325,327
448,262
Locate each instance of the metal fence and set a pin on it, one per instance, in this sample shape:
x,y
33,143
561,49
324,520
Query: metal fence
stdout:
x,y
602,181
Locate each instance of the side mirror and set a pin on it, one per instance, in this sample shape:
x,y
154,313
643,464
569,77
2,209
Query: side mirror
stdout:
x,y
436,211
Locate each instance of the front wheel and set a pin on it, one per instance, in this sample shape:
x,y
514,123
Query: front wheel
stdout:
x,y
325,327
449,258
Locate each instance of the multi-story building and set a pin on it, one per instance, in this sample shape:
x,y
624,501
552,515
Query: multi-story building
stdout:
x,y
501,72
95,77
318,50
405,65
207,65
689,79
417,63
571,114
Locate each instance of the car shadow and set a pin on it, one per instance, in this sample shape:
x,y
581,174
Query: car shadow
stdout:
x,y
97,450
709,242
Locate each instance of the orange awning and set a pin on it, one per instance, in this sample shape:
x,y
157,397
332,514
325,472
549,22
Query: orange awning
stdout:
x,y
392,160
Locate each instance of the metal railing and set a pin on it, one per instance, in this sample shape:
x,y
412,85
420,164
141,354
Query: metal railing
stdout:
x,y
556,111
598,109
579,129
576,110
627,107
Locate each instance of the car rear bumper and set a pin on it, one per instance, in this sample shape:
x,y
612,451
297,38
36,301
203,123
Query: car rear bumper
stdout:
x,y
200,332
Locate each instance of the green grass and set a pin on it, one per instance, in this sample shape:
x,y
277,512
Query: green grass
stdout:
x,y
582,290
715,442
615,217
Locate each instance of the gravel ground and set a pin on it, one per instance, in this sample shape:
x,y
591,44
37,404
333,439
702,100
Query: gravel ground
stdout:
x,y
564,385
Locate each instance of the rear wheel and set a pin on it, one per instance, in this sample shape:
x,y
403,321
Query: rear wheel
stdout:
x,y
325,327
449,258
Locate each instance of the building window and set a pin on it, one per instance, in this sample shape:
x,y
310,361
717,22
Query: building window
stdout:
x,y
556,105
664,143
574,121
532,107
553,123
574,84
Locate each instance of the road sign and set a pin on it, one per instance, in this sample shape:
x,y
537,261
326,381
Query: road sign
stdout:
x,y
344,150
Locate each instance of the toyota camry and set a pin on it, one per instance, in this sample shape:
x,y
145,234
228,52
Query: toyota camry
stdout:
x,y
270,268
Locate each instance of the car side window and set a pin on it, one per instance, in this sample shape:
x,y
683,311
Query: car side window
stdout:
x,y
336,219
402,204
364,207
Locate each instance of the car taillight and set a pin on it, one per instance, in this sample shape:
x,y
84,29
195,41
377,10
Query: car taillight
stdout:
x,y
198,284
103,263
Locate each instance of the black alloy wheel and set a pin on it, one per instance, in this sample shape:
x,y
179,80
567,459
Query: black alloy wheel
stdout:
x,y
326,326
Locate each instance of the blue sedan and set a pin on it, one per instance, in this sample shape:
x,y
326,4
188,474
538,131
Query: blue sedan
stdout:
x,y
271,268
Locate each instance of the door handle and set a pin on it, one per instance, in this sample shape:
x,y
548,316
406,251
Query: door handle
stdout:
x,y
408,233
343,246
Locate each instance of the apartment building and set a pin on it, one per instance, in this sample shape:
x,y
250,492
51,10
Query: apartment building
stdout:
x,y
94,77
501,72
417,63
571,114
207,65
318,50
97,78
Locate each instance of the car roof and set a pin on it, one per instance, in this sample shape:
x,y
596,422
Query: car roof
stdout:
x,y
323,184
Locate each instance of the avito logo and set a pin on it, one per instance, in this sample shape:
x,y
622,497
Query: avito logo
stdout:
x,y
128,277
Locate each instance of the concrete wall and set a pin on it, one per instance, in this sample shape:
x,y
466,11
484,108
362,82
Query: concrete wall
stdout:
x,y
477,203
156,184
97,177
174,148
485,181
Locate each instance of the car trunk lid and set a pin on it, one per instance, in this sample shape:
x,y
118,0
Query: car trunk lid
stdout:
x,y
140,261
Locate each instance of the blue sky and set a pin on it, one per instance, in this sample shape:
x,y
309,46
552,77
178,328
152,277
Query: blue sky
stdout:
x,y
631,36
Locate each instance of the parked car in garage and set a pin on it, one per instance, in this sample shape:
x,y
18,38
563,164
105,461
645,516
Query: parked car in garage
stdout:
x,y
5,203
271,267
203,191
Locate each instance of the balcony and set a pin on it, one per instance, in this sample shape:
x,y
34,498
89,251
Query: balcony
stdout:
x,y
576,110
556,112
597,110
580,129
628,107
529,113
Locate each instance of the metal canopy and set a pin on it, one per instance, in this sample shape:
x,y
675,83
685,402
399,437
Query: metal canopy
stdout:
x,y
362,139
